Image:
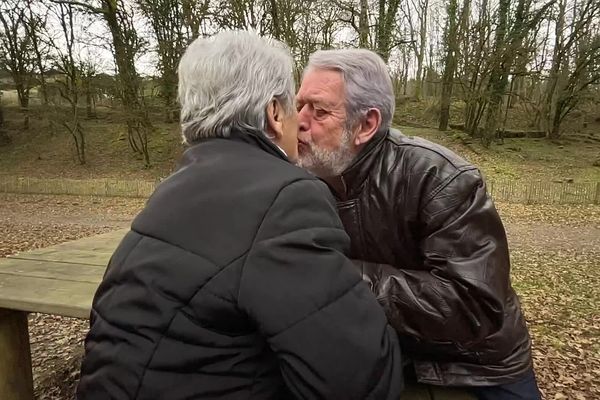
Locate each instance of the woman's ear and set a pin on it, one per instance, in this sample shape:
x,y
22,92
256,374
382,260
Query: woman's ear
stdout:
x,y
275,119
368,127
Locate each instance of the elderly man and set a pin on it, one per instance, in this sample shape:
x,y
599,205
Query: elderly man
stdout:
x,y
232,283
431,243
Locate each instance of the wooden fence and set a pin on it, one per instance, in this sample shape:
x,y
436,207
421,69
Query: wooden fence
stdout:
x,y
528,192
544,192
89,187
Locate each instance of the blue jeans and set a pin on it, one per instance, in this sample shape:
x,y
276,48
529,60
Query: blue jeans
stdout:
x,y
524,389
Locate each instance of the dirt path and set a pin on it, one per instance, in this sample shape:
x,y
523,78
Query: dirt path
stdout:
x,y
527,235
543,240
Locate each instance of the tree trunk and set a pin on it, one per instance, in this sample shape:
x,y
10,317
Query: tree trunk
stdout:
x,y
474,64
421,52
137,123
70,89
506,48
363,25
90,110
497,85
4,138
23,96
450,65
547,110
554,131
275,19
385,24
169,82
499,74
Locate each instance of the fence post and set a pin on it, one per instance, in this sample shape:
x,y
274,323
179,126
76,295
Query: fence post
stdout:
x,y
529,189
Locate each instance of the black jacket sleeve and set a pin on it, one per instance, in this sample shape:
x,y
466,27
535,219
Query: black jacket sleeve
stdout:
x,y
325,326
459,293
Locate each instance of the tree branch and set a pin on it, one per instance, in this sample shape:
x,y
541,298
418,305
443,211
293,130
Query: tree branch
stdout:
x,y
88,7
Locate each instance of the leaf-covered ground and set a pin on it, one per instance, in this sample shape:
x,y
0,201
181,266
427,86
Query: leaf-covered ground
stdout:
x,y
556,271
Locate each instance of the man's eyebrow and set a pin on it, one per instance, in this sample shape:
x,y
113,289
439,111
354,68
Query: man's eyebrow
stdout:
x,y
313,100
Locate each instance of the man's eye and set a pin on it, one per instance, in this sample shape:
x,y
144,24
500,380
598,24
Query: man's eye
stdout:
x,y
320,113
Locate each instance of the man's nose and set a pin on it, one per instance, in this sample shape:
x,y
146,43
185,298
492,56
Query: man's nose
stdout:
x,y
303,120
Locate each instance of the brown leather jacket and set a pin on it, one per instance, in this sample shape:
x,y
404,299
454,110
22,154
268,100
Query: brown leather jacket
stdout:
x,y
434,250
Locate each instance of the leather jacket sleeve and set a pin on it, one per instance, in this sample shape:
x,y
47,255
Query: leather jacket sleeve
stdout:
x,y
459,293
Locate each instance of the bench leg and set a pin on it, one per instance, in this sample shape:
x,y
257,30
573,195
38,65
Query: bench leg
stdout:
x,y
16,379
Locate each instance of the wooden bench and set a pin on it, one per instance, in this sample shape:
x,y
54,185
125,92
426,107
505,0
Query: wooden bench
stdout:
x,y
59,280
62,280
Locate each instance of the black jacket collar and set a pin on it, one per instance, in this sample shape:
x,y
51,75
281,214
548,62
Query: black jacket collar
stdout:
x,y
254,138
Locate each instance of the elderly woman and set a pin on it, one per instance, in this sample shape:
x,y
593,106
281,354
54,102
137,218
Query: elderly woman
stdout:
x,y
232,283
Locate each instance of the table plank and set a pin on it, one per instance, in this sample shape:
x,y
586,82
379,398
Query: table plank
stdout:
x,y
49,296
94,250
59,279
53,270
79,257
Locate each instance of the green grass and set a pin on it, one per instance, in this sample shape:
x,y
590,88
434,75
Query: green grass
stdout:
x,y
537,159
46,150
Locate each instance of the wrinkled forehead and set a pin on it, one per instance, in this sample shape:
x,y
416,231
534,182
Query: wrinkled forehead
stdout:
x,y
323,86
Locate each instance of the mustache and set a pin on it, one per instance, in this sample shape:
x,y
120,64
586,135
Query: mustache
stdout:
x,y
306,143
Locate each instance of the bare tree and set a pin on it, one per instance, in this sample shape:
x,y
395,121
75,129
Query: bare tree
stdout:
x,y
69,88
357,16
375,23
168,26
417,33
435,51
16,51
456,26
35,26
88,70
243,14
316,26
195,15
451,42
510,33
575,63
126,44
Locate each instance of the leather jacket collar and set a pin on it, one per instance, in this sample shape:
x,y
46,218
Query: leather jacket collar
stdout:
x,y
349,184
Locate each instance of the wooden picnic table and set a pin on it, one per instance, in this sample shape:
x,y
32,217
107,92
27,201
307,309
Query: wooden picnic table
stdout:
x,y
62,280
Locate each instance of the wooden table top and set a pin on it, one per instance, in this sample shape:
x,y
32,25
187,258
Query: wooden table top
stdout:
x,y
60,279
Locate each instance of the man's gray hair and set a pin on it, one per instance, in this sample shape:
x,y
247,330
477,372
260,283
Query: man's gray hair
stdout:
x,y
367,82
227,81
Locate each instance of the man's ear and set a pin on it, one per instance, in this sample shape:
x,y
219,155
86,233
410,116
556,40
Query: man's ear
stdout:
x,y
368,127
274,119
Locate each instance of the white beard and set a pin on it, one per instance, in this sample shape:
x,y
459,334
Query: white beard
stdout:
x,y
328,163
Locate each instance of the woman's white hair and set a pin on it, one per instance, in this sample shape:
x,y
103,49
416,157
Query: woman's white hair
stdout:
x,y
367,82
227,81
